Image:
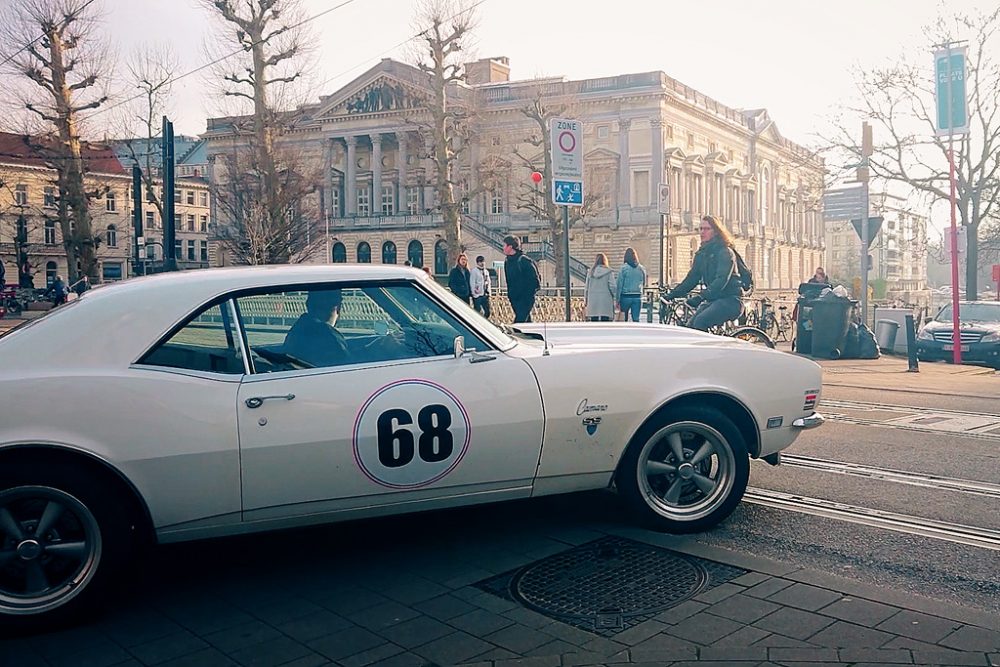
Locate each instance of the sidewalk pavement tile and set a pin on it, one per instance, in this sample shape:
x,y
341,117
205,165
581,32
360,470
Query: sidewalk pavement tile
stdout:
x,y
805,597
454,648
445,607
641,632
781,641
721,654
549,661
877,655
704,628
480,622
416,632
313,660
946,657
554,647
518,638
234,638
95,652
931,629
415,591
663,653
745,636
278,651
719,593
970,638
495,653
382,616
994,659
580,659
856,610
769,587
208,658
345,643
794,623
568,633
750,579
684,610
743,608
168,648
848,635
289,610
712,663
778,654
529,617
349,600
371,656
314,625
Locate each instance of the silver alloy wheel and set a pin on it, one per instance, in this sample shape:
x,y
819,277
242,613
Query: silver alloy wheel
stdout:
x,y
50,549
686,470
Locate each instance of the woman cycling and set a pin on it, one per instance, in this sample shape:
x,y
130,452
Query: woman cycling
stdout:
x,y
715,267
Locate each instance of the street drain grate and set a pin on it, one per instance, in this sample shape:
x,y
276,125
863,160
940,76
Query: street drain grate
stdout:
x,y
609,585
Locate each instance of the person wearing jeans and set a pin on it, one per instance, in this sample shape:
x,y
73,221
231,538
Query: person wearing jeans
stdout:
x,y
631,281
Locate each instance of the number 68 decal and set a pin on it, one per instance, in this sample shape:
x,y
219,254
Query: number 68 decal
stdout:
x,y
410,434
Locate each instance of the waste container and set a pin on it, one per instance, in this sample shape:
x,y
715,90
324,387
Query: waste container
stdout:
x,y
831,318
885,334
808,292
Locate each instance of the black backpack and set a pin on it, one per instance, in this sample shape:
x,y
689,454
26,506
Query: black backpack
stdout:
x,y
744,273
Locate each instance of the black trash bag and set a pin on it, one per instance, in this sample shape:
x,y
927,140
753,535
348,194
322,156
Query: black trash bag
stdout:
x,y
867,345
852,345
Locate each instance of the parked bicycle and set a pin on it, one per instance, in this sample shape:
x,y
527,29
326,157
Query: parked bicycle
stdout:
x,y
775,322
679,312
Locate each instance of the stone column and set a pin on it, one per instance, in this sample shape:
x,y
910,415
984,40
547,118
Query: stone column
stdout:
x,y
624,172
656,130
376,204
401,156
327,203
474,202
351,183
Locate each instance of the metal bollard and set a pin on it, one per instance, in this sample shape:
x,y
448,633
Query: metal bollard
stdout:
x,y
911,345
649,313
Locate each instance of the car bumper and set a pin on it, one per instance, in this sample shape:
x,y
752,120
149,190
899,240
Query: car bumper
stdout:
x,y
812,421
982,353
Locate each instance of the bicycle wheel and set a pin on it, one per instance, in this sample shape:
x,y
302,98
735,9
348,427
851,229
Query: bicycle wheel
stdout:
x,y
753,335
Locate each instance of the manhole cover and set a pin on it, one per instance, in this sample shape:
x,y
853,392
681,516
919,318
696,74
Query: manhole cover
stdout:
x,y
610,584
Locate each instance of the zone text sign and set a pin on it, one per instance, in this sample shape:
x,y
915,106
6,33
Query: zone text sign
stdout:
x,y
566,145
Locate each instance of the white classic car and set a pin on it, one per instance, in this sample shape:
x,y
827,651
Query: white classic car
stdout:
x,y
207,403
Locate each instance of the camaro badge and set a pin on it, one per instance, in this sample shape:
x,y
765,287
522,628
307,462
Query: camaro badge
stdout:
x,y
591,424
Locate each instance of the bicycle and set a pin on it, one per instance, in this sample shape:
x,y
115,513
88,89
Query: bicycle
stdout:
x,y
778,324
678,311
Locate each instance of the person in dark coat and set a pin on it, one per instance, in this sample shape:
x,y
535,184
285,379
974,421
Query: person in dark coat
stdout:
x,y
313,338
458,279
81,285
58,291
715,267
522,279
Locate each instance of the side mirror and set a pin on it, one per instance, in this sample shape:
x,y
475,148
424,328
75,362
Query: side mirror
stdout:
x,y
928,320
459,347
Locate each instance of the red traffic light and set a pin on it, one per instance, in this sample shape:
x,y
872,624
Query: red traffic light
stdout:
x,y
536,176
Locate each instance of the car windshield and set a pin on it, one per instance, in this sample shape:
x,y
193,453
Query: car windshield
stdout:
x,y
972,312
481,322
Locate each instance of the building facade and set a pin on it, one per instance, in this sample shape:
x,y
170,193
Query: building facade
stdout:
x,y
29,216
640,130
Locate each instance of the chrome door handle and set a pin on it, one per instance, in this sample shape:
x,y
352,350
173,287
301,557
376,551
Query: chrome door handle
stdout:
x,y
256,401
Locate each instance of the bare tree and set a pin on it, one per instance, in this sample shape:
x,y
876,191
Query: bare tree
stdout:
x,y
53,46
151,70
899,101
272,179
446,27
538,201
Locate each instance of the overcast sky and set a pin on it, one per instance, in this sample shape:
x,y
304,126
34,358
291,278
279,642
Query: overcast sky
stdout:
x,y
793,57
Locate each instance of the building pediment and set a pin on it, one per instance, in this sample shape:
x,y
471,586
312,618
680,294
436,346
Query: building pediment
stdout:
x,y
600,155
389,86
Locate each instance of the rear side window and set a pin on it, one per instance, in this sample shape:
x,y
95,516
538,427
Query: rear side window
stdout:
x,y
206,343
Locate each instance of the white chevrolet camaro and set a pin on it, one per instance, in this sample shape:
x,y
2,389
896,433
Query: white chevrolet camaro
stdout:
x,y
224,401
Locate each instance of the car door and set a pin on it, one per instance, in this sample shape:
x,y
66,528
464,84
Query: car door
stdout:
x,y
401,421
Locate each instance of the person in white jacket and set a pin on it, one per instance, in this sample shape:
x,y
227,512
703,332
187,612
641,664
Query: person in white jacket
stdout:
x,y
599,297
479,282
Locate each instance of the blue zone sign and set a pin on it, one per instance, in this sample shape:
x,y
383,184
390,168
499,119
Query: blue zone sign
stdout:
x,y
568,193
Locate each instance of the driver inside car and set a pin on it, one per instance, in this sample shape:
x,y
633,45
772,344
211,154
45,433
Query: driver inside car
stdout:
x,y
314,338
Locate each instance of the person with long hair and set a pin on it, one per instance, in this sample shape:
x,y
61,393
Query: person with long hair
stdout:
x,y
599,297
458,279
631,281
714,267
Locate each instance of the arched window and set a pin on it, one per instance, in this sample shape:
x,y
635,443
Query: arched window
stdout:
x,y
415,253
364,253
339,253
50,273
440,258
112,236
388,252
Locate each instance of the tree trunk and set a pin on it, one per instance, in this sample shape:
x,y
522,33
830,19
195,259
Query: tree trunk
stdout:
x,y
273,253
443,158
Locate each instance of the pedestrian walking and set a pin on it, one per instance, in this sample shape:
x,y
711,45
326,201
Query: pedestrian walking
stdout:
x,y
458,279
631,281
522,279
479,282
820,276
81,285
58,291
599,295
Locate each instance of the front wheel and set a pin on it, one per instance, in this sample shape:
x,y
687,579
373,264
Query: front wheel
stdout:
x,y
753,335
61,541
685,471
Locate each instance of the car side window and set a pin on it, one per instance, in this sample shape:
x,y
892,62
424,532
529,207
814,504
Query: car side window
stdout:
x,y
325,326
205,343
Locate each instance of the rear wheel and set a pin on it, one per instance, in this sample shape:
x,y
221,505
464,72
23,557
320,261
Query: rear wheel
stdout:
x,y
686,471
61,540
753,335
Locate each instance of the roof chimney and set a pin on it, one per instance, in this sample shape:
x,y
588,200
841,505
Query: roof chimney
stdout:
x,y
487,70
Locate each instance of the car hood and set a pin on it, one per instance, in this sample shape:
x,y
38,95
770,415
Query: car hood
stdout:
x,y
983,327
595,334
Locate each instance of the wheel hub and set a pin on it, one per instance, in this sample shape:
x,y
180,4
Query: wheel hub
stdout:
x,y
29,550
685,470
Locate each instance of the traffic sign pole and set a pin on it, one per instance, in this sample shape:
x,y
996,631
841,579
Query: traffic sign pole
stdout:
x,y
569,313
566,149
956,331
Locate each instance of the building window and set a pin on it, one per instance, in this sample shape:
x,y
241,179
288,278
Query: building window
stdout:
x,y
151,248
20,195
496,202
178,248
670,131
50,232
191,255
190,221
364,253
50,273
177,221
495,141
388,252
111,271
364,201
388,200
204,251
49,200
335,203
203,199
150,220
690,139
190,197
603,131
413,200
415,253
441,258
112,236
150,195
203,224
640,188
339,253
177,196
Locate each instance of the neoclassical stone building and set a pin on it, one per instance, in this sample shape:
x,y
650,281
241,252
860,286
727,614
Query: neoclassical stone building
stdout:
x,y
374,194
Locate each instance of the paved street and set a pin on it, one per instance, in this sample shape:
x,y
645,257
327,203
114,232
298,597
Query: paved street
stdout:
x,y
783,587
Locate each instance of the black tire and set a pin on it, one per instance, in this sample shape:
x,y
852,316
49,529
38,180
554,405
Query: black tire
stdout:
x,y
699,493
52,578
753,335
14,308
